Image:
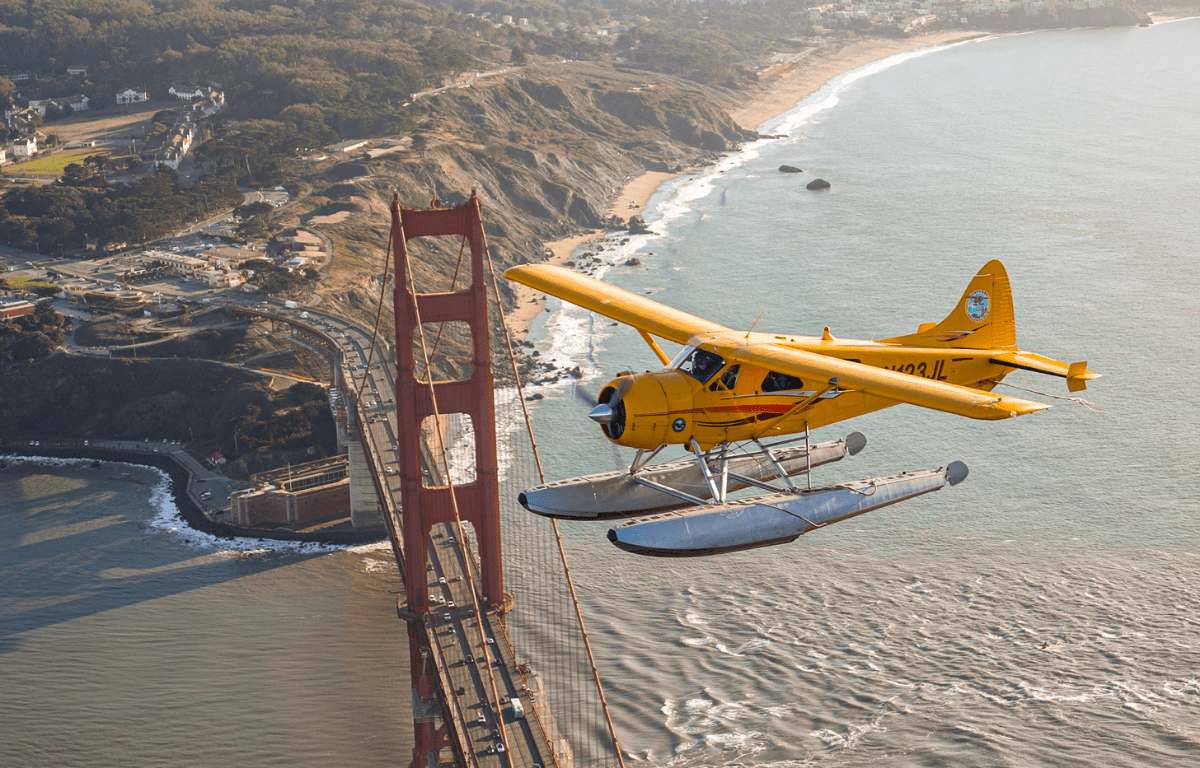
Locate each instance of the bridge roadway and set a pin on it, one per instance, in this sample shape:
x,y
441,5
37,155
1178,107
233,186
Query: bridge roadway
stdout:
x,y
452,630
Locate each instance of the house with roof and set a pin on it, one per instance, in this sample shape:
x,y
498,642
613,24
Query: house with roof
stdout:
x,y
11,309
21,121
26,147
347,146
77,70
130,96
76,103
186,92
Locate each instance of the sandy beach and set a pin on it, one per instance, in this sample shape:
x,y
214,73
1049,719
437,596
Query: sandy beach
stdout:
x,y
791,85
1173,14
782,89
630,202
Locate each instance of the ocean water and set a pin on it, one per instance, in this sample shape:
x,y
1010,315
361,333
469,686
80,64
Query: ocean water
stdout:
x,y
910,636
128,640
914,635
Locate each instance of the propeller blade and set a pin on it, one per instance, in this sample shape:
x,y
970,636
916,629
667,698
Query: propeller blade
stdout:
x,y
583,395
622,388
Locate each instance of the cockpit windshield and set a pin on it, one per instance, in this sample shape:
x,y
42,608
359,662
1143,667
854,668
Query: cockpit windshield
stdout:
x,y
702,365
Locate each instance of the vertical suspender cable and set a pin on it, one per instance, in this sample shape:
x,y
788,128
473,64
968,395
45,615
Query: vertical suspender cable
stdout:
x,y
557,536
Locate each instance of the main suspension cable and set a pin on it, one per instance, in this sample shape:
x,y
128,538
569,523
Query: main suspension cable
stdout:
x,y
387,262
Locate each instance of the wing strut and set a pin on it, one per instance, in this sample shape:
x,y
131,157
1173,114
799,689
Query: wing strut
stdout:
x,y
662,356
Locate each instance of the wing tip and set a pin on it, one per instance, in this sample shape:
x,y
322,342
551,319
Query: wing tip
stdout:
x,y
1012,407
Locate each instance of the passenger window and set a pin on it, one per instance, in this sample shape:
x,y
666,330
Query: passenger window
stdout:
x,y
781,382
702,365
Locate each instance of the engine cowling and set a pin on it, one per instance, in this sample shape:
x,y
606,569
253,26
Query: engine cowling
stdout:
x,y
646,410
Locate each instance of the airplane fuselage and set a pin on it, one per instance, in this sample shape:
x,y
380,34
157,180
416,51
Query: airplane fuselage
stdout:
x,y
701,396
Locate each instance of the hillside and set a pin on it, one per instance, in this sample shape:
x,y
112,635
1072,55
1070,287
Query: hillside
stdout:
x,y
547,146
204,404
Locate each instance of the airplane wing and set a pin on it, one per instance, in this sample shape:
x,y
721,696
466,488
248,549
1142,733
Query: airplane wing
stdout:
x,y
617,303
680,327
880,382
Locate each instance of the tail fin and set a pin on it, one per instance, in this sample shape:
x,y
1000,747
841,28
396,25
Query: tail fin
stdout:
x,y
983,318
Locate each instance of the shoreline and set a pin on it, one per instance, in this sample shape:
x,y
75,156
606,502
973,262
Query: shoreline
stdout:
x,y
1165,15
178,476
791,86
779,94
631,201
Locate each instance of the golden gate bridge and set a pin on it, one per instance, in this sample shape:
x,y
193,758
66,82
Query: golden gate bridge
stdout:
x,y
502,671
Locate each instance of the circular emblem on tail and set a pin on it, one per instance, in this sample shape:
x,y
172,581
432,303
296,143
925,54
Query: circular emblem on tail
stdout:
x,y
977,306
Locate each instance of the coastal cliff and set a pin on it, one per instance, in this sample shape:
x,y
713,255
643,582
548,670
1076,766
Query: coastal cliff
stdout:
x,y
548,147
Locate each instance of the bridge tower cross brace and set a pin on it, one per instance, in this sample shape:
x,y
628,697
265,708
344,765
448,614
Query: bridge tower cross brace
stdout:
x,y
423,506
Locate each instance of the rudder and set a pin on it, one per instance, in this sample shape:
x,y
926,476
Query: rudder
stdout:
x,y
982,319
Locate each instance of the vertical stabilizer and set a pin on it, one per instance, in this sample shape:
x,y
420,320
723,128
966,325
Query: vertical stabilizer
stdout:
x,y
983,318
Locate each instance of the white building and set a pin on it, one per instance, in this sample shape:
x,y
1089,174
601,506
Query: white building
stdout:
x,y
218,279
130,96
345,146
74,103
25,147
186,92
187,266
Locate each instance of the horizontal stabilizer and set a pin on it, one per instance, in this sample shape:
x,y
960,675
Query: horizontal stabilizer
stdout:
x,y
1076,374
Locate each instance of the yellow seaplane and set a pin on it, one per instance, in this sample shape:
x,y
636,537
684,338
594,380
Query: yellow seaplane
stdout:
x,y
728,389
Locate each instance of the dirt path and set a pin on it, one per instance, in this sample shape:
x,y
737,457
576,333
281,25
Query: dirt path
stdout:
x,y
117,124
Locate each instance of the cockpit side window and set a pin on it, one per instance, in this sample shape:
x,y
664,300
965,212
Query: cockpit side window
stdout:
x,y
702,365
727,380
781,382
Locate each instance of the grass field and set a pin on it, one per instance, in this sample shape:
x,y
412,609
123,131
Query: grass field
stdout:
x,y
53,165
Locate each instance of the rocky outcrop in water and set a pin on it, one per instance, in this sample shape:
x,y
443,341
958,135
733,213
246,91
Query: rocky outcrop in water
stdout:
x,y
637,226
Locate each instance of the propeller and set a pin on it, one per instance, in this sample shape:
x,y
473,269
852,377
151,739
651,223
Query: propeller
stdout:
x,y
611,409
584,396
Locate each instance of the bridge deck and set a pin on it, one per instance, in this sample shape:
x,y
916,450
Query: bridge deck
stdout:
x,y
453,630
